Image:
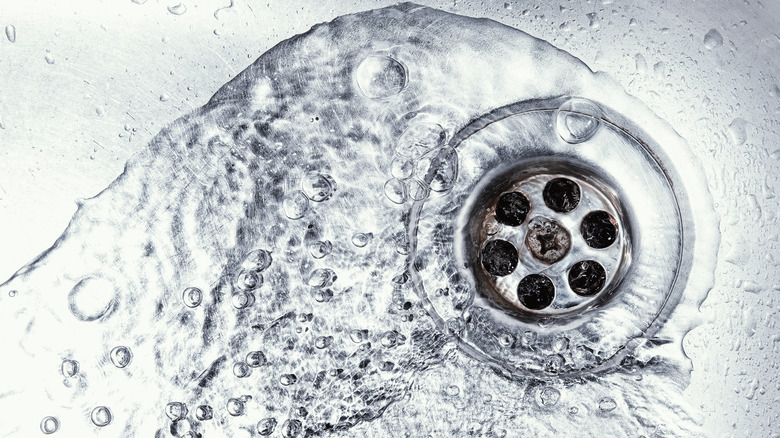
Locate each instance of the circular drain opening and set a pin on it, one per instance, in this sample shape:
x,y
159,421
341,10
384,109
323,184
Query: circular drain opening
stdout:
x,y
553,250
553,241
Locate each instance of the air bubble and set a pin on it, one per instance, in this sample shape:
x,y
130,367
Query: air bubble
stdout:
x,y
395,191
242,299
178,9
320,248
249,280
392,339
12,293
204,412
577,120
69,368
417,190
402,168
418,139
380,76
121,356
291,428
322,277
192,297
91,298
50,425
445,170
323,342
295,205
256,359
241,370
235,407
318,187
512,208
176,410
361,239
535,291
266,426
548,397
258,260
499,258
607,404
101,416
358,336
287,379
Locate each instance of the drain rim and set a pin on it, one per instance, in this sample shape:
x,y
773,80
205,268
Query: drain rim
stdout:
x,y
649,148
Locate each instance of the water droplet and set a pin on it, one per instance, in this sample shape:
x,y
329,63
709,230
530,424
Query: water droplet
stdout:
x,y
249,280
577,120
241,370
164,97
322,277
607,404
737,131
287,379
452,390
257,260
266,426
445,170
395,190
323,342
361,239
235,407
632,22
242,299
320,248
380,76
593,20
204,412
10,33
573,410
192,297
548,397
296,204
101,416
256,359
713,39
323,295
121,356
49,425
291,428
176,410
12,293
49,58
69,368
178,9
560,344
418,139
318,187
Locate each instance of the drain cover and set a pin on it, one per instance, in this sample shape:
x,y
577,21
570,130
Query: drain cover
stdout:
x,y
560,242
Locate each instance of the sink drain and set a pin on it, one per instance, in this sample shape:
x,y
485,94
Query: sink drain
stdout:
x,y
553,242
559,244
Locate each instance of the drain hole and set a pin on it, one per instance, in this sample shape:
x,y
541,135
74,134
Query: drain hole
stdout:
x,y
561,195
587,277
499,258
512,208
599,229
536,291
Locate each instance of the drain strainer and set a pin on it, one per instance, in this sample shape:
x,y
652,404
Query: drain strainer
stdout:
x,y
559,244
